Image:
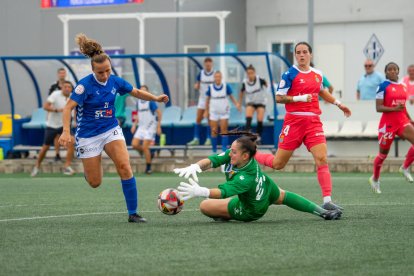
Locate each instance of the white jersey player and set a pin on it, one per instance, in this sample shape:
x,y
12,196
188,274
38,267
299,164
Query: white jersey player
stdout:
x,y
204,79
148,127
254,88
218,106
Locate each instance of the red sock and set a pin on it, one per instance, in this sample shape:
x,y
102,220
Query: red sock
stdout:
x,y
325,181
265,159
378,164
409,158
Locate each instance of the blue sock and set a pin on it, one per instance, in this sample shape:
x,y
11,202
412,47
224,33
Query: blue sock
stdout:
x,y
197,128
129,187
208,132
214,144
224,143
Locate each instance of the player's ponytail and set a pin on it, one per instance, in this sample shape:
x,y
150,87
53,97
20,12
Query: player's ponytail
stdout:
x,y
91,48
247,141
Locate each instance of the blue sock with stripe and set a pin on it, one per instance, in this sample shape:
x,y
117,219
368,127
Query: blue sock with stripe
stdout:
x,y
197,128
129,187
224,143
208,134
214,144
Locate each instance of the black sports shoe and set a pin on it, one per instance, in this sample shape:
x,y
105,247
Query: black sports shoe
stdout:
x,y
148,172
136,218
331,214
331,206
221,219
57,158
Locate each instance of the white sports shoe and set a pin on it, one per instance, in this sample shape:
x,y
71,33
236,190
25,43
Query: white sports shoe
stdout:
x,y
68,171
375,185
34,172
406,173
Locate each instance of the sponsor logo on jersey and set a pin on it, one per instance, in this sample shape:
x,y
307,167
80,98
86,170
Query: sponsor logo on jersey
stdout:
x,y
97,92
103,113
320,134
79,89
241,177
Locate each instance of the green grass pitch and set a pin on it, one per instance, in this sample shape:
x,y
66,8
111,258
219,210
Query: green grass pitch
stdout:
x,y
54,225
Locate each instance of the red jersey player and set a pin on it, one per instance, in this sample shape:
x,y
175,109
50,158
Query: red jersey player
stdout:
x,y
299,90
391,99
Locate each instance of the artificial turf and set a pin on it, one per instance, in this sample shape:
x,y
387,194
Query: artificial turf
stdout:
x,y
55,225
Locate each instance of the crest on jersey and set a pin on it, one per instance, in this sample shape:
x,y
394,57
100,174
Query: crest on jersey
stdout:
x,y
113,91
79,89
317,79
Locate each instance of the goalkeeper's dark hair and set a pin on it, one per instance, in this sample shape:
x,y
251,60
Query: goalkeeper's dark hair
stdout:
x,y
247,141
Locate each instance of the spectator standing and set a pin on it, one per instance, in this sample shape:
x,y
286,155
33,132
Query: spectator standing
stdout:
x,y
61,78
369,82
409,83
54,105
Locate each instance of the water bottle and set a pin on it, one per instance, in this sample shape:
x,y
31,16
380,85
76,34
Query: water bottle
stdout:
x,y
163,139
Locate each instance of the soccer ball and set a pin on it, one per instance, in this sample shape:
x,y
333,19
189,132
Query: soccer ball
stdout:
x,y
170,202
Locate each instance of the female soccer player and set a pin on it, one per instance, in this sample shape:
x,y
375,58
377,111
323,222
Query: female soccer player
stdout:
x,y
299,90
148,126
391,99
204,79
97,127
254,88
218,108
254,189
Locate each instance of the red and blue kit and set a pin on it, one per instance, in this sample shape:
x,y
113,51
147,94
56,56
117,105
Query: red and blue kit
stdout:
x,y
302,123
392,123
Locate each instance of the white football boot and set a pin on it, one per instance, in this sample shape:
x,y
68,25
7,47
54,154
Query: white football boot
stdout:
x,y
375,185
406,173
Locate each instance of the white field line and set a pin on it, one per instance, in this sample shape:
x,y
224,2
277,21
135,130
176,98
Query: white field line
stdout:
x,y
80,215
190,210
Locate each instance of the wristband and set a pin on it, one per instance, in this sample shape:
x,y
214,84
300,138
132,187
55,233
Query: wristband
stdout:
x,y
337,102
302,98
204,192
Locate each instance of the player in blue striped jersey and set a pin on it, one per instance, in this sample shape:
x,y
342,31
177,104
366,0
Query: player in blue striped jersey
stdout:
x,y
97,128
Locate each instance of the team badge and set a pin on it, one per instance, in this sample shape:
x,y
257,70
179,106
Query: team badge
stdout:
x,y
281,138
317,79
79,89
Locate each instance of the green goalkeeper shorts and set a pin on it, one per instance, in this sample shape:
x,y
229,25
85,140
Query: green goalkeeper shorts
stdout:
x,y
239,212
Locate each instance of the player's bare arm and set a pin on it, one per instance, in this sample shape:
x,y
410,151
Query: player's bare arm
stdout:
x,y
331,99
379,104
291,99
65,138
144,95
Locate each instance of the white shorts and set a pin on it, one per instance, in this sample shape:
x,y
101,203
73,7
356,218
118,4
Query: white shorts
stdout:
x,y
93,146
201,102
145,134
219,116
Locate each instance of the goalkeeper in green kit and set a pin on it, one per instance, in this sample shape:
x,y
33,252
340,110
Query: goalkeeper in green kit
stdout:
x,y
255,191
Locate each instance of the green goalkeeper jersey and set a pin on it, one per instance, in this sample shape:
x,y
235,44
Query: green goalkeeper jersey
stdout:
x,y
255,190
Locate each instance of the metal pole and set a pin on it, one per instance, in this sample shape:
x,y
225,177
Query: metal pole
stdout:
x,y
141,48
222,45
65,22
310,21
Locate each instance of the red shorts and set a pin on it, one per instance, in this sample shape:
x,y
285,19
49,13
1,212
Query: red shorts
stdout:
x,y
298,129
388,130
